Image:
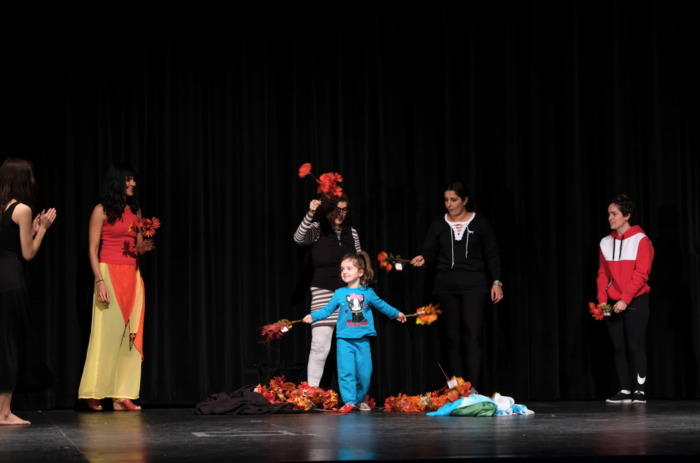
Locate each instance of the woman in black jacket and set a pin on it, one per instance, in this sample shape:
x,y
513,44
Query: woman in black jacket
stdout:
x,y
326,228
465,249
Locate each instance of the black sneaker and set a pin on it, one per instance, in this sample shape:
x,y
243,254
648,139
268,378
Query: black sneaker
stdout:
x,y
639,398
620,398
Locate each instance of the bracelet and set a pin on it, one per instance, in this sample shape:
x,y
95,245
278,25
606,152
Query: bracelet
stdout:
x,y
98,281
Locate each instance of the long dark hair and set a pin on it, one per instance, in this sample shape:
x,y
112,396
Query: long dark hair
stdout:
x,y
16,183
114,190
460,190
328,206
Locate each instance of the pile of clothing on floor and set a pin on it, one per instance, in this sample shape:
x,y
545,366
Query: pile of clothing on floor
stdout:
x,y
479,405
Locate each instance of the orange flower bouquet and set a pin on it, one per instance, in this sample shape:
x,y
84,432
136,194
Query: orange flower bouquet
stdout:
x,y
146,226
327,184
426,315
387,261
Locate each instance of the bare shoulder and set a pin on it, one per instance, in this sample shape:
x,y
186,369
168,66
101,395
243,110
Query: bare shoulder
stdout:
x,y
98,214
21,212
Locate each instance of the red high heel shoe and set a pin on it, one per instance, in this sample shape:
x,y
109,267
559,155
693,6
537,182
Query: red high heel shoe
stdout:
x,y
94,405
124,405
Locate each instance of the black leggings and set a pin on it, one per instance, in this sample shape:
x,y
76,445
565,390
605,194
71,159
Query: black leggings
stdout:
x,y
632,325
461,328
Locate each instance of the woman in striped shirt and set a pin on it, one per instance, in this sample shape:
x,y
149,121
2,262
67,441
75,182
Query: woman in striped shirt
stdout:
x,y
326,228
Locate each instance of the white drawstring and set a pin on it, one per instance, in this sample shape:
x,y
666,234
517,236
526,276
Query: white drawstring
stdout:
x,y
466,253
453,248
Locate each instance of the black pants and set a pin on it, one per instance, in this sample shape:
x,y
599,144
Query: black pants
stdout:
x,y
630,326
461,328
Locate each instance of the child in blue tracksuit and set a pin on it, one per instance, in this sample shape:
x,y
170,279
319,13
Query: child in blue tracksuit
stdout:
x,y
354,327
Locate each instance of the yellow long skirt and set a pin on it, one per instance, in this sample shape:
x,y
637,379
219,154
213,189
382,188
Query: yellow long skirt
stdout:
x,y
113,363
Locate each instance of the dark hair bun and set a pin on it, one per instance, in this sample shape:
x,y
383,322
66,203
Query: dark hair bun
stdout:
x,y
624,203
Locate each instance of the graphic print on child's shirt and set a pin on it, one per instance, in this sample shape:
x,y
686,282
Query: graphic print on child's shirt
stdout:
x,y
356,304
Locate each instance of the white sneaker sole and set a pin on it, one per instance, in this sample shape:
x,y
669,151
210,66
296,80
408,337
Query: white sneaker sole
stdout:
x,y
616,402
639,401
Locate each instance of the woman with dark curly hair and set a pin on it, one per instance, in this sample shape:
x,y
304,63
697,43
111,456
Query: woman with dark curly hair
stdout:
x,y
331,237
625,256
113,363
465,249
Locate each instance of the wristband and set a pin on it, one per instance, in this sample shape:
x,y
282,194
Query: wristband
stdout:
x,y
98,281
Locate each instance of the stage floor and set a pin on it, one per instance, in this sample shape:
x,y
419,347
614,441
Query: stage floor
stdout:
x,y
558,430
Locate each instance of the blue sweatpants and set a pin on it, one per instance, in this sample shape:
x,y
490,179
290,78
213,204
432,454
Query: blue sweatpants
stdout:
x,y
354,369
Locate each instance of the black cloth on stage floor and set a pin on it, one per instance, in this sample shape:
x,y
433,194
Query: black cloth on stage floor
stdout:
x,y
244,401
22,367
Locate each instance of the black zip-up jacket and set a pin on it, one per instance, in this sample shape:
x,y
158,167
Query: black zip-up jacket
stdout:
x,y
463,265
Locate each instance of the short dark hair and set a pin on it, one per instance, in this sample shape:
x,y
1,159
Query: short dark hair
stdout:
x,y
625,204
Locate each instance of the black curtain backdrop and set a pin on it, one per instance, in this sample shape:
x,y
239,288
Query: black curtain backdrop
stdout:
x,y
545,109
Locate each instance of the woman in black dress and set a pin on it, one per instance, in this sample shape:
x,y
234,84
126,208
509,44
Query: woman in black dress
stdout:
x,y
465,249
22,367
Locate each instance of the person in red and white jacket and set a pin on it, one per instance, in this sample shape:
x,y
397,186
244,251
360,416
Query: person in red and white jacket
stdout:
x,y
625,264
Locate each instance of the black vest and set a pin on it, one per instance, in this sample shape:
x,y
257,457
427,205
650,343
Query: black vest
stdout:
x,y
327,254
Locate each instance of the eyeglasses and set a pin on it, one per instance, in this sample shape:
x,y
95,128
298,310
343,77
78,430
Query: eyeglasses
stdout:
x,y
343,210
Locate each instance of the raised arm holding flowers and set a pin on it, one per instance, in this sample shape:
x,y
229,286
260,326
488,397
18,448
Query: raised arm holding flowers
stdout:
x,y
327,230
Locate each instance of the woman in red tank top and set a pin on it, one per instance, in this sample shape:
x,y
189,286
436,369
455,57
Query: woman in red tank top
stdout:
x,y
113,364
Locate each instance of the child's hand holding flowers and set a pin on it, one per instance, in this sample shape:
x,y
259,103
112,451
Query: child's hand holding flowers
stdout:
x,y
308,319
401,317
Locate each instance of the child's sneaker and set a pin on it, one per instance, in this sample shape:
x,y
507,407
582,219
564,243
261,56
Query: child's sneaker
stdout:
x,y
365,408
347,408
620,398
639,398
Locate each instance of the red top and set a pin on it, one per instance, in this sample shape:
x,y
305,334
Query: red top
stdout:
x,y
117,243
625,264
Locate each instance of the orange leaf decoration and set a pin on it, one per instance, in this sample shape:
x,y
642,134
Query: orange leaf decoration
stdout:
x,y
427,315
412,404
304,170
303,397
300,401
452,395
393,404
331,400
370,401
438,402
